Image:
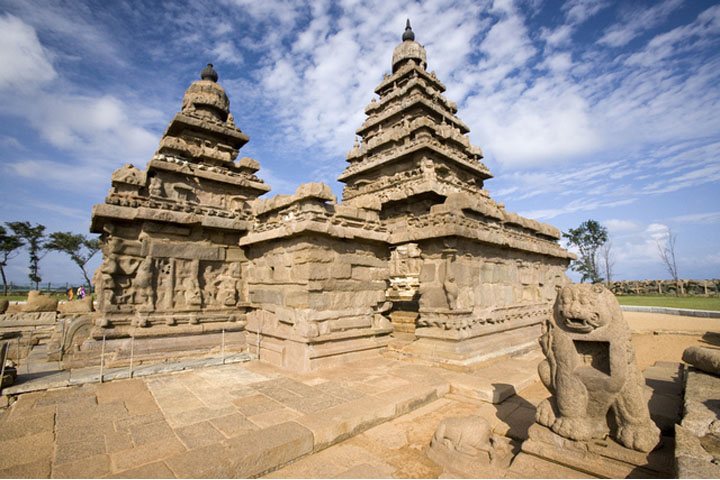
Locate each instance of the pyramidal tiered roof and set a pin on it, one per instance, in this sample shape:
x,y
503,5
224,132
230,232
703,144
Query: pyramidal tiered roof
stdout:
x,y
194,176
412,142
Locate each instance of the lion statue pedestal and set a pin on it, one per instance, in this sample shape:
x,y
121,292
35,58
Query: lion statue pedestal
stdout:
x,y
597,390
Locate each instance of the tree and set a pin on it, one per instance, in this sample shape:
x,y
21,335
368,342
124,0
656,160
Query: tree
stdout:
x,y
8,244
608,262
33,237
78,247
667,254
588,238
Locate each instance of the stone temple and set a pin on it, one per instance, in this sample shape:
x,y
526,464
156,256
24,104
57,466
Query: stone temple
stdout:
x,y
416,262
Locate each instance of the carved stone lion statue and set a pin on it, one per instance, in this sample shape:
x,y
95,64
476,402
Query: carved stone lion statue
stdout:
x,y
590,369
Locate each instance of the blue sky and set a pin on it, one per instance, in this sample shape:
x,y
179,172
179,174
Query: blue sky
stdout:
x,y
584,109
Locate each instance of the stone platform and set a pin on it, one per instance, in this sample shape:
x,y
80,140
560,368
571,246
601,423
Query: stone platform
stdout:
x,y
606,458
237,420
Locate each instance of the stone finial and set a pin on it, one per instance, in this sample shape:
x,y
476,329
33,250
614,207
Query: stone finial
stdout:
x,y
209,73
408,34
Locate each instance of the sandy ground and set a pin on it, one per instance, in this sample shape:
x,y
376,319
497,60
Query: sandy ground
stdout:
x,y
649,322
663,338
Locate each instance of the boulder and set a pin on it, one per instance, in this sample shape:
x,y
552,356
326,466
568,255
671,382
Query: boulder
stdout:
x,y
37,302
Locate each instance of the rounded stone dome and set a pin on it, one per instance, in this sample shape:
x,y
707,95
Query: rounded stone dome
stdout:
x,y
409,49
206,98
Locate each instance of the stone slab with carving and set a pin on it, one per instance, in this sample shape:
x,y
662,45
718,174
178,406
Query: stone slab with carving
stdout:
x,y
467,446
590,370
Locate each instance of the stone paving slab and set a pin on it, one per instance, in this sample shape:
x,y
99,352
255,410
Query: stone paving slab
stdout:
x,y
241,419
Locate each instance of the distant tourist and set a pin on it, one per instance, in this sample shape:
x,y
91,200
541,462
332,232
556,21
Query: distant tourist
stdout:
x,y
81,292
70,293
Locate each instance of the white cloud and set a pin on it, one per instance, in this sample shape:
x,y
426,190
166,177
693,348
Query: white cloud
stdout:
x,y
64,176
638,21
578,11
702,218
24,63
74,26
577,205
619,226
226,51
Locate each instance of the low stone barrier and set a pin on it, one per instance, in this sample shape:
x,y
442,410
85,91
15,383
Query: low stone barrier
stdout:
x,y
666,287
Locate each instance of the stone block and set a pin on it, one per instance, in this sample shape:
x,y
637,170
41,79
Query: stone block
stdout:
x,y
692,460
77,306
198,435
343,421
39,302
151,432
36,469
27,449
189,251
342,270
235,254
266,296
320,272
27,425
147,453
94,466
151,470
245,456
601,458
705,359
233,425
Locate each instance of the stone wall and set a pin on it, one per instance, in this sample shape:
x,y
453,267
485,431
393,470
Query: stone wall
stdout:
x,y
316,273
479,301
317,285
666,287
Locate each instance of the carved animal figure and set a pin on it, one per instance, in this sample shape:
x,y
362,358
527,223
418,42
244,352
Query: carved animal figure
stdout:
x,y
469,435
590,369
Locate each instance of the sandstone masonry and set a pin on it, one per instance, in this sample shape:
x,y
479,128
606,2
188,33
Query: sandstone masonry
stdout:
x,y
190,251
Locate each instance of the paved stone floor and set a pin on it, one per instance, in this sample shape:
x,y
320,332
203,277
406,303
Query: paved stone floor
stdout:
x,y
368,419
198,423
396,449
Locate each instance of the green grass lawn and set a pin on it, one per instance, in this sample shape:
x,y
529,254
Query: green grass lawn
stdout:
x,y
696,303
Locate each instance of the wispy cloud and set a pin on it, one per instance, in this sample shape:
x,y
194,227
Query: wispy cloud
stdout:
x,y
637,21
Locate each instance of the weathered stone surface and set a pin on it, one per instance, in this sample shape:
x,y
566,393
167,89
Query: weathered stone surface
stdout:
x,y
706,359
84,305
462,444
245,456
590,369
692,460
601,458
188,243
4,303
38,302
701,405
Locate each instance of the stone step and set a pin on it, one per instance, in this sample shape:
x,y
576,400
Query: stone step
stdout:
x,y
63,378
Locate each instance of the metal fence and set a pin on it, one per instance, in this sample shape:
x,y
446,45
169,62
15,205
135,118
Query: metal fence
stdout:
x,y
47,287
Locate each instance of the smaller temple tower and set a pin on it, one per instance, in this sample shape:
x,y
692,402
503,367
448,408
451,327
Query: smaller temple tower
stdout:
x,y
170,234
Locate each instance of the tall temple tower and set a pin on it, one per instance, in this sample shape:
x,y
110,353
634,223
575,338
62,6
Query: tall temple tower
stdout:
x,y
414,150
468,280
